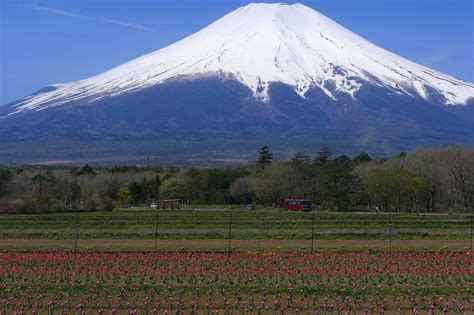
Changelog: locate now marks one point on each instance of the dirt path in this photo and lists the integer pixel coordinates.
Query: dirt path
(303, 245)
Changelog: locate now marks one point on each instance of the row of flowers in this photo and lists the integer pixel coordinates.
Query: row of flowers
(242, 282)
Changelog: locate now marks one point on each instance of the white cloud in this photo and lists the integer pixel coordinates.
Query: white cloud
(108, 21)
(131, 25)
(55, 11)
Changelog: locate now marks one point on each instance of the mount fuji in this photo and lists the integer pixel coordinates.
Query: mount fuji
(279, 74)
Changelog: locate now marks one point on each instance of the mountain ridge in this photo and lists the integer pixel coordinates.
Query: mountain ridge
(263, 71)
(260, 44)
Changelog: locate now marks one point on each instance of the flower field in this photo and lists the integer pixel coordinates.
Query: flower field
(212, 283)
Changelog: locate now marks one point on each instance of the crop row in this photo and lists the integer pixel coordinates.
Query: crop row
(239, 283)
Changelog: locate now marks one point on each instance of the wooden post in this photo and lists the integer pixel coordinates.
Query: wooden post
(156, 227)
(471, 214)
(312, 234)
(77, 231)
(74, 192)
(230, 234)
(391, 231)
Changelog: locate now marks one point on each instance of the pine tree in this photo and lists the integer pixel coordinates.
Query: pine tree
(341, 160)
(300, 159)
(136, 193)
(323, 156)
(362, 158)
(265, 157)
(84, 170)
(155, 187)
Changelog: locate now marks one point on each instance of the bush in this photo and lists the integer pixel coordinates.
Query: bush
(88, 205)
(97, 204)
(59, 206)
(105, 204)
(42, 204)
(19, 205)
(46, 204)
(25, 204)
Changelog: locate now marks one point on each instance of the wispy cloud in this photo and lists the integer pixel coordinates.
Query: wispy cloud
(130, 25)
(55, 11)
(108, 21)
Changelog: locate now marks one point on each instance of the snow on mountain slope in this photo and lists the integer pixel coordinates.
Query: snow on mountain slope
(263, 43)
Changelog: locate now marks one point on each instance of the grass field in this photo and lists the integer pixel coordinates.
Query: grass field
(135, 229)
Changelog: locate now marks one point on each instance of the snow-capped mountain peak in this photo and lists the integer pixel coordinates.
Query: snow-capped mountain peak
(260, 44)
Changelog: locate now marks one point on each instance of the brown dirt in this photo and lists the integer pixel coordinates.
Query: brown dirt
(270, 245)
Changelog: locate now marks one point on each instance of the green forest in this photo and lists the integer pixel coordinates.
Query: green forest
(426, 180)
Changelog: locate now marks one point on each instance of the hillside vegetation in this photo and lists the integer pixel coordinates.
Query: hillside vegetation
(427, 180)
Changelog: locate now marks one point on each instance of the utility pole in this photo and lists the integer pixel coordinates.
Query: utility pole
(312, 234)
(230, 234)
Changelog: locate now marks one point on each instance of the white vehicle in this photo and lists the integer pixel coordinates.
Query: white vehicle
(154, 205)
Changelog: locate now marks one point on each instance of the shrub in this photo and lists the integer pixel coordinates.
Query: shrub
(19, 205)
(105, 204)
(59, 206)
(88, 205)
(97, 204)
(25, 204)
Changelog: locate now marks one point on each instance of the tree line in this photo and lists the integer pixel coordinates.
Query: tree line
(427, 180)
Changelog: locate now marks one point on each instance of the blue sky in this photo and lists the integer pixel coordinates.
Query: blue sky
(52, 41)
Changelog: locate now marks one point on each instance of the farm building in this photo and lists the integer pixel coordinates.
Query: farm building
(173, 204)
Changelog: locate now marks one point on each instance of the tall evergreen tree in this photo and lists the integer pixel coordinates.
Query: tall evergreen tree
(265, 157)
(136, 193)
(362, 158)
(300, 159)
(84, 170)
(155, 187)
(342, 159)
(323, 156)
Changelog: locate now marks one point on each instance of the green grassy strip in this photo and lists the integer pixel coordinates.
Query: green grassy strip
(177, 289)
(235, 235)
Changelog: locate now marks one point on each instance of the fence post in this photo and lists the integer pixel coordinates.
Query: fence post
(471, 214)
(77, 231)
(230, 234)
(390, 231)
(312, 234)
(156, 227)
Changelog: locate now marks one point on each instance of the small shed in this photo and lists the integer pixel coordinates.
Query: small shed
(172, 204)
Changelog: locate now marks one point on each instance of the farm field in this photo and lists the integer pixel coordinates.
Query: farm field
(123, 266)
(136, 229)
(256, 283)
